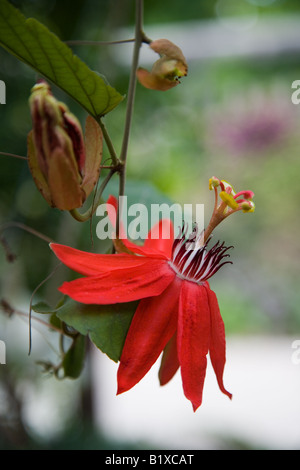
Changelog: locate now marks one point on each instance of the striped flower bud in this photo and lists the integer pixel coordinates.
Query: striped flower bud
(65, 166)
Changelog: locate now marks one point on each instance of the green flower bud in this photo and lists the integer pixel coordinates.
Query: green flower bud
(167, 70)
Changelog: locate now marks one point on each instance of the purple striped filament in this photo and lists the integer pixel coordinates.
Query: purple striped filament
(193, 261)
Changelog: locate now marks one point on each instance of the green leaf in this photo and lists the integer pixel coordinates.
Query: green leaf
(42, 307)
(106, 325)
(34, 44)
(74, 358)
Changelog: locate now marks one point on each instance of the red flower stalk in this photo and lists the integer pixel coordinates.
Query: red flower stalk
(178, 313)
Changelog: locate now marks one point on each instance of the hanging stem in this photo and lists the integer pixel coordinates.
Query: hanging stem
(139, 38)
(88, 214)
(14, 155)
(79, 42)
(31, 301)
(7, 308)
(119, 164)
(108, 141)
(139, 35)
(113, 169)
(34, 232)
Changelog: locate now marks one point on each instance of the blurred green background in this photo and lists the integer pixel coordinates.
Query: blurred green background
(232, 117)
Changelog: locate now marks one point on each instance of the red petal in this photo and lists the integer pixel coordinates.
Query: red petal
(91, 264)
(153, 324)
(217, 349)
(147, 280)
(112, 210)
(160, 238)
(140, 250)
(193, 339)
(112, 214)
(169, 362)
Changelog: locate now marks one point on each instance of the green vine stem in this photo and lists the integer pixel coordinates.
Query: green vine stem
(119, 164)
(79, 42)
(14, 155)
(9, 310)
(139, 39)
(83, 217)
(108, 141)
(31, 302)
(34, 232)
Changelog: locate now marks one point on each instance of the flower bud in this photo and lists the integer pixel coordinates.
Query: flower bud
(64, 165)
(167, 70)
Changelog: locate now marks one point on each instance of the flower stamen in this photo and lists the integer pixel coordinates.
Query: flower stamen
(230, 203)
(193, 261)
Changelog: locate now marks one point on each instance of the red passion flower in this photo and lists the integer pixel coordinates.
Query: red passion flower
(178, 313)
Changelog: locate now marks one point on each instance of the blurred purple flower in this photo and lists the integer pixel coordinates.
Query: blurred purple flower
(251, 124)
